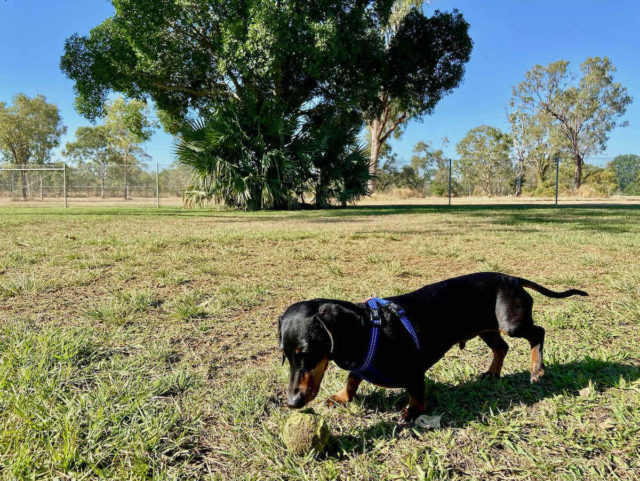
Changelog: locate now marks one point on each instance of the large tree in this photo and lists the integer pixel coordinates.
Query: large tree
(585, 111)
(29, 131)
(294, 64)
(191, 56)
(424, 59)
(95, 149)
(308, 66)
(536, 143)
(485, 160)
(128, 126)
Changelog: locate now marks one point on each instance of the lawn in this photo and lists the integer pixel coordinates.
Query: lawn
(141, 344)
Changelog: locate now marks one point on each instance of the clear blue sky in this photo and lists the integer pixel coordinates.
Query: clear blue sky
(510, 36)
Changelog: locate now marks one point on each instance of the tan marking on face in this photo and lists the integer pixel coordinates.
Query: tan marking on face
(309, 384)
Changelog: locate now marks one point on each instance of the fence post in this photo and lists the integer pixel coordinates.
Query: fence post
(64, 183)
(557, 171)
(449, 181)
(157, 189)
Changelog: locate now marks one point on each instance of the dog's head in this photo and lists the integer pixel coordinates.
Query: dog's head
(307, 334)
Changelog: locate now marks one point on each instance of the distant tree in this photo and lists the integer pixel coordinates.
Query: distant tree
(127, 127)
(175, 179)
(94, 148)
(536, 145)
(423, 160)
(627, 172)
(484, 160)
(601, 179)
(29, 131)
(585, 112)
(424, 59)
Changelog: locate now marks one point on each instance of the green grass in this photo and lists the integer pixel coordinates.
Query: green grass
(141, 343)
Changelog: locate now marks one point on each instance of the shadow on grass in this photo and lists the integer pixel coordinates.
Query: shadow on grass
(595, 218)
(474, 401)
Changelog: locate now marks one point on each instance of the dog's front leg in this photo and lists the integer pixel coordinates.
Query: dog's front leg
(417, 403)
(347, 393)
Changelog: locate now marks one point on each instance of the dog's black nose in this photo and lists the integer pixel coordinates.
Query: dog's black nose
(296, 401)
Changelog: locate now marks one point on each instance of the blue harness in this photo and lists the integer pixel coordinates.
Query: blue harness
(367, 371)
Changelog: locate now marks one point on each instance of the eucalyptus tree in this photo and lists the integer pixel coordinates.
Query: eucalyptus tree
(127, 126)
(536, 144)
(29, 131)
(94, 148)
(484, 160)
(584, 110)
(424, 59)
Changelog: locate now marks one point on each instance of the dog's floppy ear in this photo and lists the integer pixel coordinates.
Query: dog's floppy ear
(337, 320)
(332, 312)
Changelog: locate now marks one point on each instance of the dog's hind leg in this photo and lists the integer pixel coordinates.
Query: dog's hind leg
(535, 336)
(494, 340)
(513, 311)
(347, 393)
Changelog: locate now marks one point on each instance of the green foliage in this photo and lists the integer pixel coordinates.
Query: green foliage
(627, 172)
(29, 130)
(426, 174)
(424, 60)
(315, 68)
(250, 170)
(485, 164)
(274, 163)
(190, 56)
(583, 113)
(128, 125)
(602, 180)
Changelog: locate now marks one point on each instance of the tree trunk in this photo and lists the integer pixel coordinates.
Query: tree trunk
(375, 128)
(577, 177)
(519, 178)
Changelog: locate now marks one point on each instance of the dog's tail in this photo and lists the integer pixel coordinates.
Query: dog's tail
(549, 293)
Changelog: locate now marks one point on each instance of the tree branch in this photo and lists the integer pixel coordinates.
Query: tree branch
(393, 127)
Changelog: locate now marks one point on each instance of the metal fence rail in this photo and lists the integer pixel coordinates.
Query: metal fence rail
(61, 184)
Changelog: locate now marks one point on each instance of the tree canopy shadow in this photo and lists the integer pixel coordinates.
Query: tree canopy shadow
(473, 401)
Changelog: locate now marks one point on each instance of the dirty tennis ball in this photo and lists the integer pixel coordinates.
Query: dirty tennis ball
(305, 431)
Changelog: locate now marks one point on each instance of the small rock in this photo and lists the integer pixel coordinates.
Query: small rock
(428, 422)
(607, 424)
(587, 391)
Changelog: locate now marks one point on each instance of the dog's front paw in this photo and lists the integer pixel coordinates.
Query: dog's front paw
(409, 414)
(337, 400)
(489, 375)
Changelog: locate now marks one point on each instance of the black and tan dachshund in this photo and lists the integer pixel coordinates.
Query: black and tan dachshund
(312, 333)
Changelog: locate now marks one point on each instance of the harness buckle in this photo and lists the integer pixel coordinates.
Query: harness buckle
(396, 309)
(374, 316)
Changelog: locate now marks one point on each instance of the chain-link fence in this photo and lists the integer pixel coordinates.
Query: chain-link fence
(92, 183)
